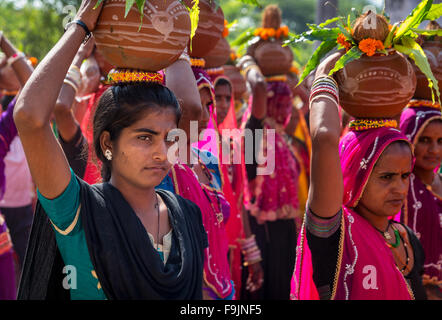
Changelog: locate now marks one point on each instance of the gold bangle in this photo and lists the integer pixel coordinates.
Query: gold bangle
(248, 68)
(69, 82)
(248, 263)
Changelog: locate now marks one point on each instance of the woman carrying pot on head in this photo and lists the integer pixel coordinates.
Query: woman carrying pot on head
(422, 125)
(349, 247)
(272, 193)
(238, 227)
(111, 235)
(18, 221)
(200, 181)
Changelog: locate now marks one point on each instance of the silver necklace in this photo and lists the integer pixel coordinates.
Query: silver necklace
(158, 214)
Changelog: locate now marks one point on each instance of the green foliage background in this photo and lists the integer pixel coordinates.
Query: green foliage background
(34, 26)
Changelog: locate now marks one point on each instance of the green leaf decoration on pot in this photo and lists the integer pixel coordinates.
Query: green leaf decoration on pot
(352, 54)
(194, 13)
(324, 48)
(435, 12)
(400, 37)
(412, 49)
(414, 19)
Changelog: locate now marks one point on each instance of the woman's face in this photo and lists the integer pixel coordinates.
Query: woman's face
(206, 102)
(140, 154)
(428, 148)
(387, 187)
(223, 96)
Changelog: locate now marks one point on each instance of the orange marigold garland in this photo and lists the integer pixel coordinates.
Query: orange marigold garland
(415, 103)
(266, 33)
(197, 62)
(365, 124)
(119, 76)
(370, 46)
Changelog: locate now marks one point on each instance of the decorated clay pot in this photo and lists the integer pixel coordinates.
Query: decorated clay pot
(238, 81)
(272, 57)
(210, 28)
(376, 87)
(219, 55)
(162, 37)
(433, 51)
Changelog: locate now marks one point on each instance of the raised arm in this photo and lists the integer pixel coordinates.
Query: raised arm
(48, 165)
(326, 185)
(181, 80)
(258, 86)
(18, 62)
(67, 125)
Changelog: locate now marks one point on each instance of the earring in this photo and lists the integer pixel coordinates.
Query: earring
(108, 154)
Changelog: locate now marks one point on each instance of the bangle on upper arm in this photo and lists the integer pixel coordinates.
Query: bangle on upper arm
(72, 84)
(326, 96)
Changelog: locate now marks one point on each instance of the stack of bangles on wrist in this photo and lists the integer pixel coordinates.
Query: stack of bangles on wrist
(245, 64)
(250, 250)
(325, 87)
(73, 78)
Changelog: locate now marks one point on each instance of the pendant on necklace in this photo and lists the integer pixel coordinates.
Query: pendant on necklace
(219, 217)
(387, 235)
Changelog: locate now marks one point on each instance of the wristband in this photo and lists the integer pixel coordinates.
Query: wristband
(83, 25)
(14, 58)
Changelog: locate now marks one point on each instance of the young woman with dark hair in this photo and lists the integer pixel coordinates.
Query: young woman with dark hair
(123, 239)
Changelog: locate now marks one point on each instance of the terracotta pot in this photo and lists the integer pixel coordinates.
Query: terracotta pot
(210, 28)
(272, 57)
(433, 51)
(219, 55)
(164, 34)
(238, 81)
(377, 86)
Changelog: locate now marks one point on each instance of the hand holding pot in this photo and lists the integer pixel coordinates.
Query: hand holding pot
(88, 14)
(327, 64)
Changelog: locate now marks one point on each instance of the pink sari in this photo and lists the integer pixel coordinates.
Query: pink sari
(423, 211)
(276, 194)
(233, 186)
(216, 267)
(92, 173)
(366, 269)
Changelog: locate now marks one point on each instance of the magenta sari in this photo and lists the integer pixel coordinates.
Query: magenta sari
(7, 268)
(276, 194)
(423, 212)
(216, 267)
(366, 269)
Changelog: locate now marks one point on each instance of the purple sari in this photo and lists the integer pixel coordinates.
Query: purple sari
(276, 193)
(365, 269)
(7, 271)
(423, 212)
(8, 131)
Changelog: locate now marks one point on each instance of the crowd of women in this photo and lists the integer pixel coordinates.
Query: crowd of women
(87, 185)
